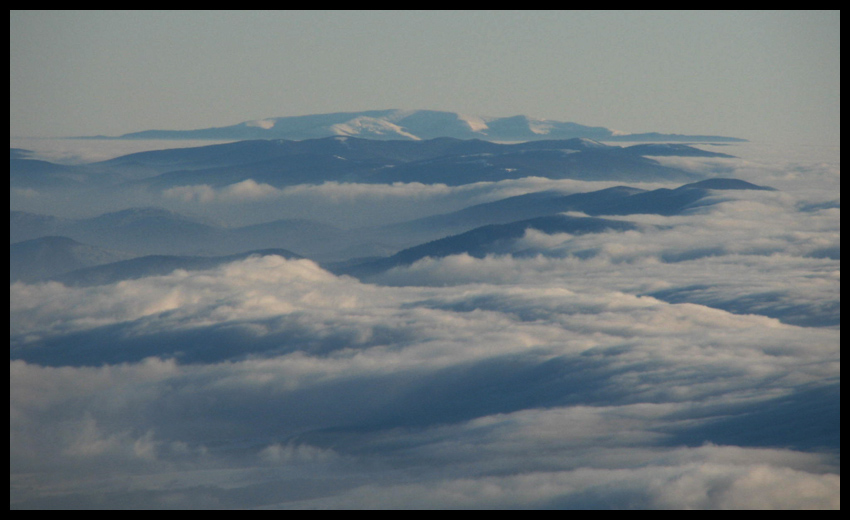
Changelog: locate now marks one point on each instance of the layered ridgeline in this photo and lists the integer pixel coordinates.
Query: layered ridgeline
(43, 246)
(281, 162)
(413, 125)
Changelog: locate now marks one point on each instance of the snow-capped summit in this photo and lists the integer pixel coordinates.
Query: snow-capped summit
(371, 127)
(409, 125)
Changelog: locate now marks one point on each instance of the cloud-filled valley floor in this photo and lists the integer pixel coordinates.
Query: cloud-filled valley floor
(605, 356)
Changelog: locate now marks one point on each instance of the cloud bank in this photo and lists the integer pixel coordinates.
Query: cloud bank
(690, 363)
(238, 387)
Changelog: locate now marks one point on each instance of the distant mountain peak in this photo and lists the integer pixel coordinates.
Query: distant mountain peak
(412, 125)
(371, 126)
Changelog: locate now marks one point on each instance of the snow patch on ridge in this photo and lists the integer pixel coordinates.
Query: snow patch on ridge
(361, 126)
(475, 123)
(265, 124)
(540, 126)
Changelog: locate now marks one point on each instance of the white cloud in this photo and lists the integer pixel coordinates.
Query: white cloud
(677, 487)
(244, 191)
(196, 193)
(249, 190)
(351, 205)
(389, 359)
(748, 252)
(547, 379)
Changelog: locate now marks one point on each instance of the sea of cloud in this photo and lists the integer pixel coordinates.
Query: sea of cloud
(691, 364)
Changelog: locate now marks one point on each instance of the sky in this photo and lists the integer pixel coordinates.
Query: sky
(768, 76)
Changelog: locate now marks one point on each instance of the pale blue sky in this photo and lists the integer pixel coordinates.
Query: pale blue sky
(764, 75)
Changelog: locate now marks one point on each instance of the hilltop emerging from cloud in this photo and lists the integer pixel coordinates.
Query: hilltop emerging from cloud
(413, 125)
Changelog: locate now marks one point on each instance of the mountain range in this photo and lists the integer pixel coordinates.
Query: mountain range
(493, 227)
(617, 200)
(155, 231)
(154, 265)
(281, 163)
(43, 246)
(48, 256)
(444, 160)
(412, 125)
(485, 240)
(143, 241)
(146, 230)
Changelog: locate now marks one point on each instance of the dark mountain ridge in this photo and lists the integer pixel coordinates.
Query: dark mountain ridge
(618, 200)
(44, 257)
(485, 240)
(155, 265)
(349, 159)
(147, 231)
(444, 160)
